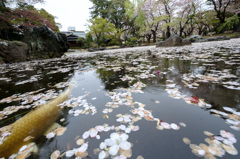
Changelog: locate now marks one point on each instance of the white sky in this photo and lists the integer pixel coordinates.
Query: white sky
(68, 12)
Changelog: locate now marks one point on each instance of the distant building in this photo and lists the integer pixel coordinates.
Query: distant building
(79, 33)
(73, 35)
(71, 28)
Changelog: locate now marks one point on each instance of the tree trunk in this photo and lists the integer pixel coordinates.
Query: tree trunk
(149, 37)
(168, 33)
(181, 32)
(154, 36)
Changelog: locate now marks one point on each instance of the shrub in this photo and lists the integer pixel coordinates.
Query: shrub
(114, 42)
(102, 45)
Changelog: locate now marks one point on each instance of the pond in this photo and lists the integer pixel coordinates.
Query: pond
(179, 102)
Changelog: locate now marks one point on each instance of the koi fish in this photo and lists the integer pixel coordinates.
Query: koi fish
(32, 125)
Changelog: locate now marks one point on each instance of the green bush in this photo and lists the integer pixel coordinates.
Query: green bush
(129, 43)
(103, 45)
(133, 39)
(114, 42)
(81, 40)
(229, 24)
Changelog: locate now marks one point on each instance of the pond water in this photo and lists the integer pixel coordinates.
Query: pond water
(179, 102)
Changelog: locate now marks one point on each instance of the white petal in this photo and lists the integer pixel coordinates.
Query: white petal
(98, 137)
(100, 128)
(50, 135)
(201, 152)
(102, 155)
(128, 130)
(120, 157)
(69, 153)
(125, 145)
(232, 139)
(93, 133)
(174, 126)
(124, 137)
(165, 125)
(84, 147)
(113, 150)
(141, 113)
(103, 145)
(106, 129)
(119, 119)
(86, 135)
(109, 142)
(122, 127)
(114, 136)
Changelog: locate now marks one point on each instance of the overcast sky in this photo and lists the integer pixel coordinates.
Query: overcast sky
(68, 12)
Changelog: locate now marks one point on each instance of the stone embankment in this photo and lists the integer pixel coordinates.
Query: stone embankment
(37, 43)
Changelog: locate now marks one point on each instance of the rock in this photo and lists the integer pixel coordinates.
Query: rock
(44, 43)
(196, 38)
(173, 40)
(13, 51)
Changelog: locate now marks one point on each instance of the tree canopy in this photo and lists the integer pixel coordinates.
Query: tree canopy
(99, 27)
(26, 15)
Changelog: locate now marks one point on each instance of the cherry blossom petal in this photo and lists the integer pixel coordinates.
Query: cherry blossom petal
(125, 145)
(114, 136)
(86, 135)
(50, 135)
(113, 150)
(93, 133)
(70, 153)
(124, 137)
(84, 147)
(109, 142)
(100, 128)
(102, 155)
(103, 145)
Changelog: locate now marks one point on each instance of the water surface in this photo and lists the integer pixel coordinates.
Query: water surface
(147, 89)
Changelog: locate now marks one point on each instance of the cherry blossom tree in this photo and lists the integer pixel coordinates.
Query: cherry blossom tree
(185, 14)
(220, 7)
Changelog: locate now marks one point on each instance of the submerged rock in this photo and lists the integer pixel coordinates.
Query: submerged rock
(196, 38)
(44, 43)
(13, 51)
(173, 40)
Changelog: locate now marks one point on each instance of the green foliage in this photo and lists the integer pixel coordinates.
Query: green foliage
(81, 40)
(43, 13)
(133, 39)
(114, 42)
(229, 24)
(103, 45)
(100, 27)
(25, 6)
(130, 9)
(86, 42)
(27, 16)
(129, 43)
(113, 10)
(100, 8)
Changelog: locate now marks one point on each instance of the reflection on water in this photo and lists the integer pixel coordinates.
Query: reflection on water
(132, 104)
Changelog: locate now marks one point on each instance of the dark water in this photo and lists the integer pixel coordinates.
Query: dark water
(99, 75)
